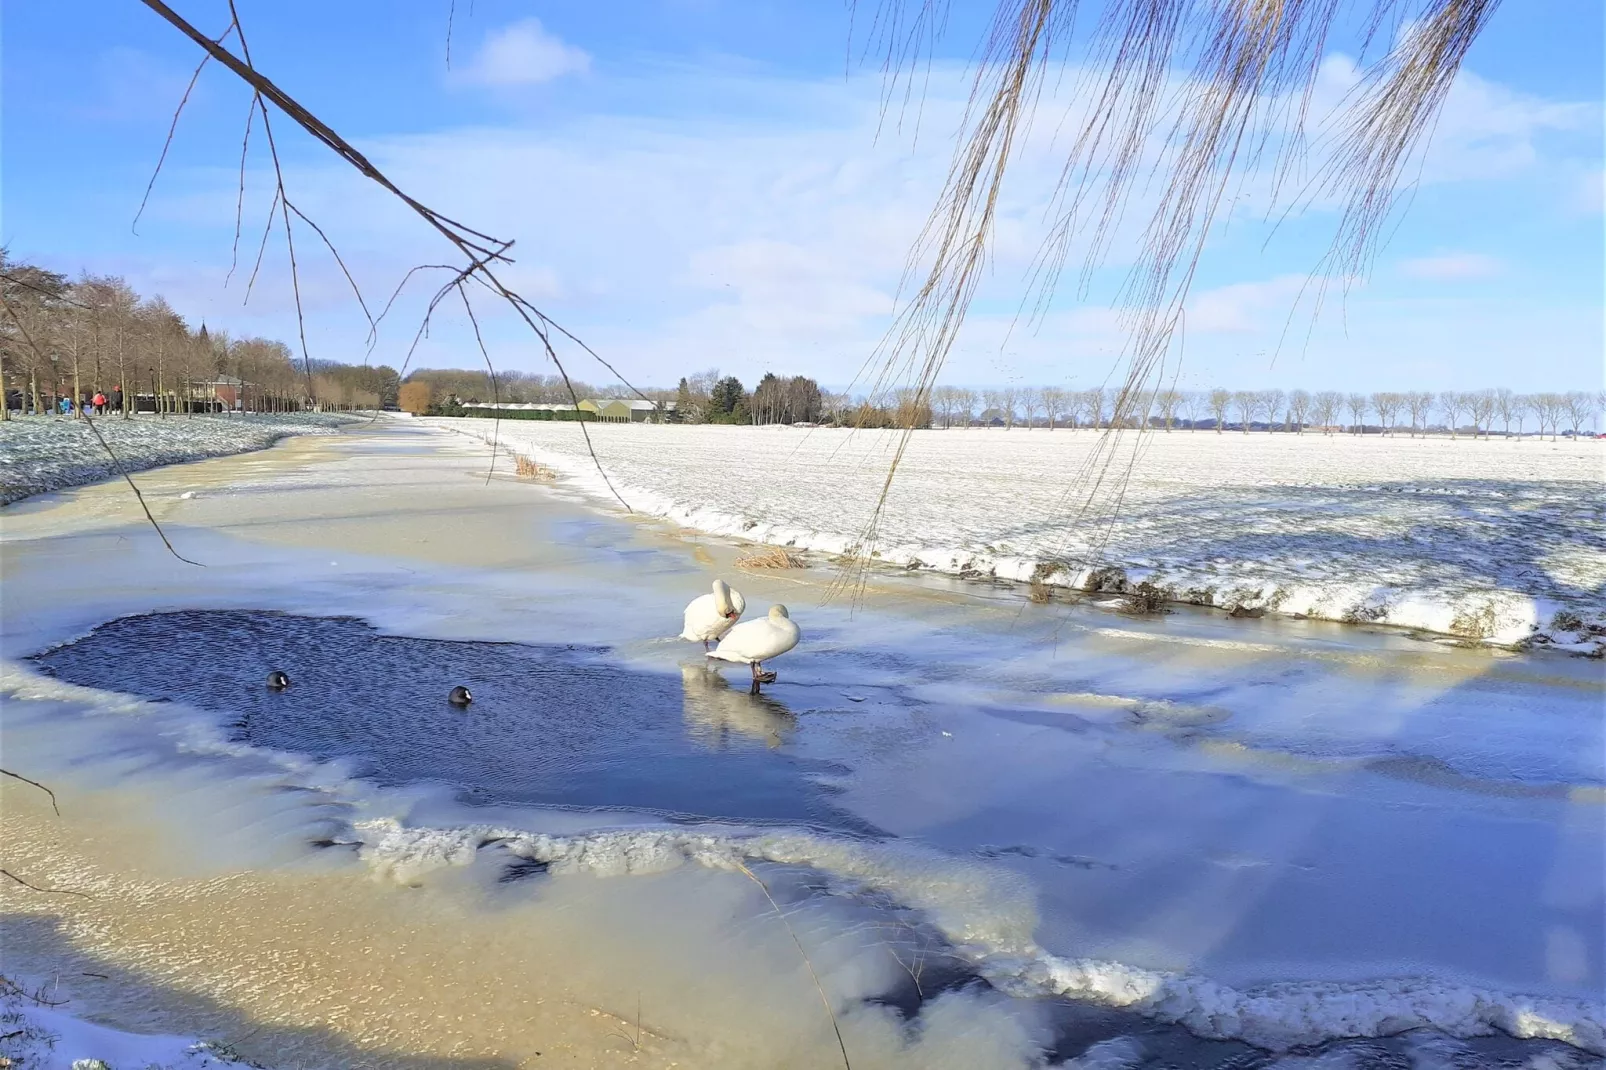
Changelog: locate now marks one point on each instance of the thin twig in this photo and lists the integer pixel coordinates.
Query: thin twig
(285, 208)
(451, 13)
(239, 200)
(835, 1028)
(171, 129)
(53, 891)
(11, 988)
(35, 783)
(496, 396)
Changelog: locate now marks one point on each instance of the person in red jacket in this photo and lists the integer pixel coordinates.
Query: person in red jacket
(99, 401)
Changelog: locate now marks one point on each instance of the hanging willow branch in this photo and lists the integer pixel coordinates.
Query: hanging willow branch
(1247, 67)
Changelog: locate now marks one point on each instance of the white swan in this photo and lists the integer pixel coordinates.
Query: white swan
(759, 640)
(712, 615)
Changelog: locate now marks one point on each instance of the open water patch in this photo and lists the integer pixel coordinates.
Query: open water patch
(549, 725)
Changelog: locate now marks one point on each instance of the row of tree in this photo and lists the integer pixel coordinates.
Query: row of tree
(71, 339)
(712, 397)
(1418, 412)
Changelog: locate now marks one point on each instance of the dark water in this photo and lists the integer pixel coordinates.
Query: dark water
(549, 725)
(559, 725)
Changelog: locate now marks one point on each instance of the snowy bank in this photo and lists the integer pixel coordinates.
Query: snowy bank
(45, 453)
(38, 1034)
(1502, 542)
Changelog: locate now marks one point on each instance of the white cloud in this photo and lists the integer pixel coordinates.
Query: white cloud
(524, 53)
(771, 233)
(1448, 267)
(1250, 307)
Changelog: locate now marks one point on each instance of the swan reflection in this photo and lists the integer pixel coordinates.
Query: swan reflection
(715, 710)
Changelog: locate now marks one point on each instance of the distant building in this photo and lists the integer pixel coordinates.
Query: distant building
(225, 391)
(619, 410)
(612, 410)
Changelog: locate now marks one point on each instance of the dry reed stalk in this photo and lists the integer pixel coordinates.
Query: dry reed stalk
(531, 469)
(818, 987)
(770, 557)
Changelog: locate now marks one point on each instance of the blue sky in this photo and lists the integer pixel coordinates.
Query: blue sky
(697, 183)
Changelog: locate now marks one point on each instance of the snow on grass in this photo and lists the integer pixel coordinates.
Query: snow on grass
(1498, 541)
(35, 1034)
(44, 453)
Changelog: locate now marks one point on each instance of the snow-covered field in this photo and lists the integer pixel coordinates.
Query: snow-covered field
(1502, 541)
(44, 453)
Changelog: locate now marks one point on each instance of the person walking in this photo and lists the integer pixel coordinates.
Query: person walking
(99, 403)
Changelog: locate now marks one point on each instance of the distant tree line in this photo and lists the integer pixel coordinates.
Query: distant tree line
(64, 341)
(1471, 412)
(72, 339)
(712, 397)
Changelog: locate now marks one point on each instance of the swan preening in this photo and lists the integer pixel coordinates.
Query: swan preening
(712, 615)
(756, 641)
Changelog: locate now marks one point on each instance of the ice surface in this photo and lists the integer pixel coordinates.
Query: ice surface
(1484, 540)
(43, 453)
(972, 907)
(1283, 832)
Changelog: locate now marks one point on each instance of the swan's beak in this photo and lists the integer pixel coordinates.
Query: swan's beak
(732, 615)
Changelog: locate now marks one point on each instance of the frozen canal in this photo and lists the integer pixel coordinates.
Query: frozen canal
(1052, 831)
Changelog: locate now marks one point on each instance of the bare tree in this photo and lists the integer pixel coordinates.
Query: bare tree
(1271, 403)
(1505, 407)
(1387, 405)
(1580, 407)
(1521, 408)
(1453, 403)
(1031, 403)
(1168, 400)
(1220, 401)
(1075, 405)
(1481, 404)
(1093, 404)
(1549, 408)
(1326, 407)
(1245, 402)
(1193, 406)
(1298, 409)
(1053, 405)
(1358, 404)
(969, 400)
(1419, 403)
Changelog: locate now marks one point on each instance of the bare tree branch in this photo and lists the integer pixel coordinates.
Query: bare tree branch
(480, 250)
(53, 891)
(35, 783)
(172, 128)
